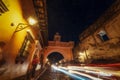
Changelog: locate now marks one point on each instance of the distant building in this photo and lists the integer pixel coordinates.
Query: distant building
(59, 47)
(101, 41)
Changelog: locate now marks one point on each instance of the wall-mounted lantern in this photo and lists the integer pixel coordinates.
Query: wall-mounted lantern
(22, 26)
(24, 51)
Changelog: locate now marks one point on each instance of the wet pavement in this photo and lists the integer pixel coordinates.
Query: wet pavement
(91, 72)
(16, 72)
(51, 74)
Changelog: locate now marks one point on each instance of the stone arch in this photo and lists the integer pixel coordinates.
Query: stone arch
(55, 57)
(65, 48)
(67, 56)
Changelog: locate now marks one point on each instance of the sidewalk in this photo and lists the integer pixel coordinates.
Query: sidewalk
(27, 76)
(2, 70)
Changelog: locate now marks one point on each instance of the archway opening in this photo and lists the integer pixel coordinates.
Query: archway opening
(54, 57)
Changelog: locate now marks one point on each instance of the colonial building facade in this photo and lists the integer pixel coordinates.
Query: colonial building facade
(101, 40)
(20, 40)
(65, 49)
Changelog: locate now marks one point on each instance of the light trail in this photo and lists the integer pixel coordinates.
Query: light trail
(91, 77)
(70, 74)
(78, 71)
(70, 69)
(89, 70)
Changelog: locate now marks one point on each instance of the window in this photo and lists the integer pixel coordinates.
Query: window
(25, 49)
(103, 36)
(3, 7)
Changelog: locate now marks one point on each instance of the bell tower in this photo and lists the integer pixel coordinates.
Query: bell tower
(57, 37)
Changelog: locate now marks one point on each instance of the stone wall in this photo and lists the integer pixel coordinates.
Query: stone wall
(102, 39)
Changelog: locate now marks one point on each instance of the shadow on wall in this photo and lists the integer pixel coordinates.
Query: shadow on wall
(2, 60)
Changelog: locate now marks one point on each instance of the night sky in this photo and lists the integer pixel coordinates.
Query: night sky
(72, 17)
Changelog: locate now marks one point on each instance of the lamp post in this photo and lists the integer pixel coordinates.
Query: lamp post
(22, 26)
(23, 53)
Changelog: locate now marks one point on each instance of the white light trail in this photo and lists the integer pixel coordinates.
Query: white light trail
(91, 77)
(68, 73)
(71, 70)
(89, 70)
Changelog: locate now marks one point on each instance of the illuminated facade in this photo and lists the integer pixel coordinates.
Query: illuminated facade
(64, 48)
(19, 39)
(101, 41)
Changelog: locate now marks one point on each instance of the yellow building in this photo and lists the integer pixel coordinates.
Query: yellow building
(23, 34)
(101, 41)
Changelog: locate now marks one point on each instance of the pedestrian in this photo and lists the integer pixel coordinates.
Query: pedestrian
(35, 62)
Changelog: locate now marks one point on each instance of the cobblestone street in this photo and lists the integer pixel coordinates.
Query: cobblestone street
(54, 75)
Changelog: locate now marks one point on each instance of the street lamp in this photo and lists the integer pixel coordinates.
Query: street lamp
(32, 21)
(80, 53)
(22, 26)
(81, 57)
(23, 52)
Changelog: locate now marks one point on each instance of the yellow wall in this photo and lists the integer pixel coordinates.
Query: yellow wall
(14, 41)
(14, 15)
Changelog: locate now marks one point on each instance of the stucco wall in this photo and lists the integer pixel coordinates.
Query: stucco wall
(95, 47)
(64, 48)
